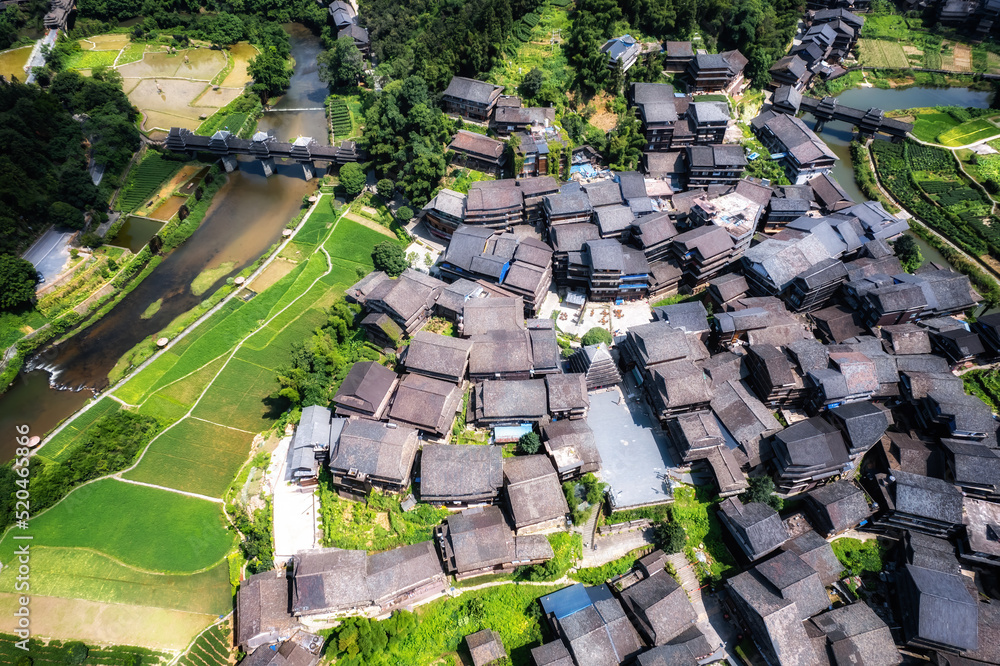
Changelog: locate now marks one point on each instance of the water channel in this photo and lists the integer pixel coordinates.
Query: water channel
(246, 217)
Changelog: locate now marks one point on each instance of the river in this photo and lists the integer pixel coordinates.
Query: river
(245, 218)
(837, 135)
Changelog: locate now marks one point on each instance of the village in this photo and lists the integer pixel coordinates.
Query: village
(517, 333)
(753, 336)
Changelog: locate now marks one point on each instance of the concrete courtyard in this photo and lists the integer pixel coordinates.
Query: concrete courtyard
(634, 451)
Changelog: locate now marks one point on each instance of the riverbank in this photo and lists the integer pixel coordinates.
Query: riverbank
(210, 385)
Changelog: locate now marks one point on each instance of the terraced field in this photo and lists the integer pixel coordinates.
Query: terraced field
(157, 572)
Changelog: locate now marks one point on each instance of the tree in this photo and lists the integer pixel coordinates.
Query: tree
(226, 29)
(669, 537)
(342, 65)
(595, 336)
(532, 84)
(405, 214)
(389, 257)
(385, 188)
(908, 252)
(75, 653)
(761, 490)
(270, 73)
(529, 443)
(18, 278)
(63, 215)
(352, 178)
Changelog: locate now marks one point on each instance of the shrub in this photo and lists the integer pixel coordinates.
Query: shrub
(405, 214)
(597, 335)
(385, 188)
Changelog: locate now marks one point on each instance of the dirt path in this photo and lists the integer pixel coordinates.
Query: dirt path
(118, 477)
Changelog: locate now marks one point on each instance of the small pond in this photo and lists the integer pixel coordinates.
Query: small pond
(136, 232)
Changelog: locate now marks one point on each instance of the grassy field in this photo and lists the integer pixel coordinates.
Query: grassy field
(147, 528)
(968, 132)
(54, 652)
(929, 124)
(693, 509)
(194, 456)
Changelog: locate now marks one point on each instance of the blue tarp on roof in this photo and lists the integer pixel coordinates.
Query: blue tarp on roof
(566, 601)
(503, 434)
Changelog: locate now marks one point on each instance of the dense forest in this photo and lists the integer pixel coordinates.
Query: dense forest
(438, 39)
(46, 141)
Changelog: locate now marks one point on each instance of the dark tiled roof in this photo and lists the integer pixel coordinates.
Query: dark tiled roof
(815, 551)
(426, 403)
(477, 144)
(437, 354)
(663, 603)
(863, 423)
(760, 523)
(944, 611)
(533, 490)
(366, 386)
(842, 504)
(471, 89)
(460, 471)
(928, 497)
(485, 647)
(857, 631)
(376, 450)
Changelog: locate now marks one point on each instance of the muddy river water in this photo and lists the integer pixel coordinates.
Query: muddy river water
(246, 217)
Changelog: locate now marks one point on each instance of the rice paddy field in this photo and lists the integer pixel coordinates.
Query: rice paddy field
(156, 574)
(144, 528)
(144, 181)
(212, 648)
(194, 456)
(969, 132)
(883, 53)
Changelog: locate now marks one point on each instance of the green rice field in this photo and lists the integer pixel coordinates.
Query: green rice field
(76, 574)
(212, 648)
(147, 528)
(340, 118)
(144, 180)
(194, 456)
(969, 132)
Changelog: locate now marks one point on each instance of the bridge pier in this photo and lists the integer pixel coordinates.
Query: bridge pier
(819, 125)
(268, 166)
(230, 163)
(308, 169)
